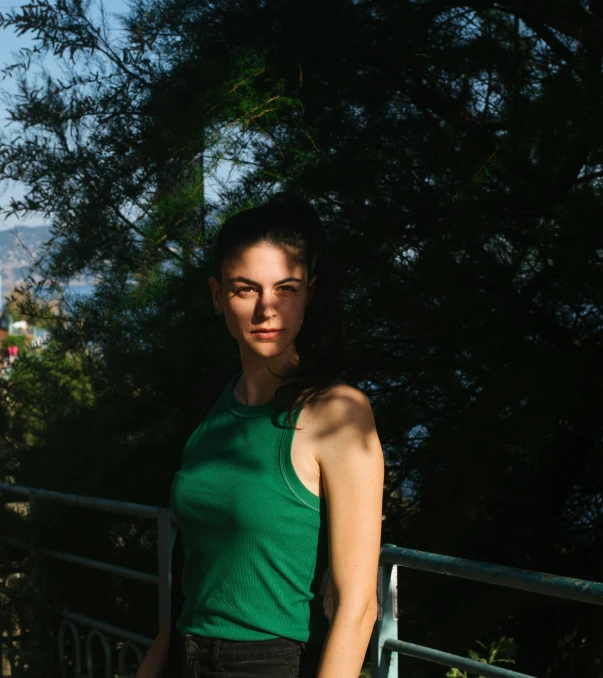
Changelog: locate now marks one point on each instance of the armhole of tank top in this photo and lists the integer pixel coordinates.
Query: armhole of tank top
(290, 477)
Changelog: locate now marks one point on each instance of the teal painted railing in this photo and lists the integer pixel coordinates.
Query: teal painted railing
(110, 637)
(385, 645)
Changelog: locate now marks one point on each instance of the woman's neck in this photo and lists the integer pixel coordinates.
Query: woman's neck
(259, 381)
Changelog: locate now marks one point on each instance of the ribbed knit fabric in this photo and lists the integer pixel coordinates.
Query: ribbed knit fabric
(255, 538)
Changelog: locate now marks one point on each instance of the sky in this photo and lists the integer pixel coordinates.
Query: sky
(10, 43)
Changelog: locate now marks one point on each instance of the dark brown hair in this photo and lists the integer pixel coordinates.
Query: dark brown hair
(288, 220)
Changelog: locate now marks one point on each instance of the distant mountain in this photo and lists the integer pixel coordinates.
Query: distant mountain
(19, 247)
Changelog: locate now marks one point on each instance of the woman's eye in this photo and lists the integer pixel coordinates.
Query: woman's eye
(286, 288)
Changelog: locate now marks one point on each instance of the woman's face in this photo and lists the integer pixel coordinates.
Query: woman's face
(264, 287)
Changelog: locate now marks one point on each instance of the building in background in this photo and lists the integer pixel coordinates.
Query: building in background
(32, 335)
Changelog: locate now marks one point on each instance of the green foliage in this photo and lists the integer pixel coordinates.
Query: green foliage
(40, 380)
(14, 340)
(499, 651)
(455, 154)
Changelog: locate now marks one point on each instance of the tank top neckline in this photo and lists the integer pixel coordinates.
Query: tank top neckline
(241, 409)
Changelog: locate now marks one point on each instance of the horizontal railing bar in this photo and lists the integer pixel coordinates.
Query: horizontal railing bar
(14, 542)
(580, 590)
(451, 660)
(99, 565)
(86, 562)
(108, 628)
(105, 505)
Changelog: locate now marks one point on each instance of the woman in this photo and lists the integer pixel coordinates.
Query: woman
(281, 484)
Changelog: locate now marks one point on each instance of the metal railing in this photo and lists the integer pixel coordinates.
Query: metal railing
(385, 645)
(99, 630)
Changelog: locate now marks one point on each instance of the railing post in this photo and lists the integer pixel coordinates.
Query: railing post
(166, 537)
(384, 663)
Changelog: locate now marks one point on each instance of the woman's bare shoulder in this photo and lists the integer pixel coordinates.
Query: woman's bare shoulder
(342, 426)
(341, 405)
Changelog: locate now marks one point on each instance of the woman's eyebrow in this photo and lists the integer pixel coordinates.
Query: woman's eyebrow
(240, 278)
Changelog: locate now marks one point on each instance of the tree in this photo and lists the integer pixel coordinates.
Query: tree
(455, 152)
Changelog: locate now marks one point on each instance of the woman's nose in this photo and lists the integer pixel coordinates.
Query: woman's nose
(266, 304)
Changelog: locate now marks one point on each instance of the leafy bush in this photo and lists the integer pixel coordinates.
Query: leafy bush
(500, 651)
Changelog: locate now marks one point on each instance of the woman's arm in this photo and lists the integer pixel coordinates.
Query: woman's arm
(352, 472)
(154, 665)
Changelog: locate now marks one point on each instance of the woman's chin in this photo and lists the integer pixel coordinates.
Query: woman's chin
(266, 349)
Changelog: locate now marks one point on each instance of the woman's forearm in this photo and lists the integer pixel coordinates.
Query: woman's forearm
(346, 643)
(154, 665)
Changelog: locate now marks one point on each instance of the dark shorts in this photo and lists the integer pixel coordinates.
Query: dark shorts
(275, 658)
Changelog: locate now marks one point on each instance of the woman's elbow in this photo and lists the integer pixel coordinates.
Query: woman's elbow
(357, 608)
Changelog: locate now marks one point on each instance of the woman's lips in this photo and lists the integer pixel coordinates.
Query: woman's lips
(262, 334)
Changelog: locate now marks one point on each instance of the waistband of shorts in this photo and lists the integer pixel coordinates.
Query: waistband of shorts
(233, 650)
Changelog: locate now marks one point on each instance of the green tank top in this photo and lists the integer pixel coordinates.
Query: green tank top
(255, 538)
